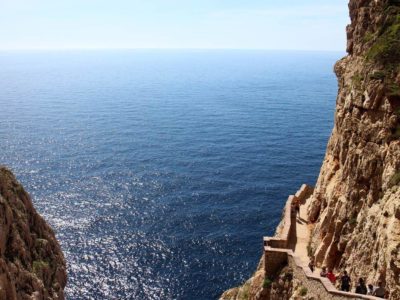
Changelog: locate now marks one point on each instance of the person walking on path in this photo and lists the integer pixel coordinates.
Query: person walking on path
(331, 276)
(311, 264)
(345, 282)
(370, 290)
(361, 287)
(380, 290)
(323, 272)
(296, 206)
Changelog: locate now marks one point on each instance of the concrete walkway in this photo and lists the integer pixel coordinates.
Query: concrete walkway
(303, 235)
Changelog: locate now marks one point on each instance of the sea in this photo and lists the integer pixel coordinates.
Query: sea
(161, 170)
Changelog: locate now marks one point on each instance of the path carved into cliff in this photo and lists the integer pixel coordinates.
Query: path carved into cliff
(290, 248)
(303, 234)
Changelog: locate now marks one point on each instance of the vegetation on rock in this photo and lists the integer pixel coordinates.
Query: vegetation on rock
(386, 47)
(32, 265)
(267, 283)
(395, 180)
(303, 291)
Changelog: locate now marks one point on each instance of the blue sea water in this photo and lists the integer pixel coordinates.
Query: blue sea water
(160, 171)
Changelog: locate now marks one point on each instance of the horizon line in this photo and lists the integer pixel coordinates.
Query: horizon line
(163, 48)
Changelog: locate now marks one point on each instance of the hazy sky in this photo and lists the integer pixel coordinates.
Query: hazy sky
(250, 24)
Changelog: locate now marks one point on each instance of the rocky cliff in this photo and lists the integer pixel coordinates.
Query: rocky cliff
(355, 208)
(32, 265)
(356, 203)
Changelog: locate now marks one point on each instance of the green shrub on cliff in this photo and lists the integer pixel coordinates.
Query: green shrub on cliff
(267, 283)
(245, 293)
(395, 180)
(303, 291)
(353, 221)
(41, 242)
(378, 75)
(369, 36)
(356, 80)
(387, 46)
(38, 266)
(393, 90)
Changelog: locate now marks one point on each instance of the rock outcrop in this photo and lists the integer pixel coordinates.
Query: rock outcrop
(258, 287)
(355, 207)
(356, 203)
(32, 265)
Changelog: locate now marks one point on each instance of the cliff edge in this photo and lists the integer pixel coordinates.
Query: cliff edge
(32, 265)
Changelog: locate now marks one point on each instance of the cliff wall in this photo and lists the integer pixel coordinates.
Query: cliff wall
(32, 265)
(356, 203)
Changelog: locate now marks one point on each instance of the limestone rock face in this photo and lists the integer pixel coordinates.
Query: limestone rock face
(32, 265)
(356, 202)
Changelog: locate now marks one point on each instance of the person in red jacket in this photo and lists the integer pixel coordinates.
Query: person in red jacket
(331, 276)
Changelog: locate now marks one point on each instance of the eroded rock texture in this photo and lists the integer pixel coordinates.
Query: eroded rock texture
(356, 203)
(32, 265)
